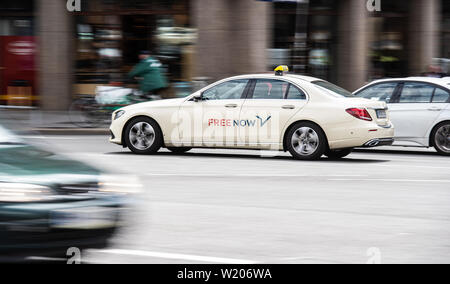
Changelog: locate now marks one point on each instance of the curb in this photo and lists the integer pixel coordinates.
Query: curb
(68, 131)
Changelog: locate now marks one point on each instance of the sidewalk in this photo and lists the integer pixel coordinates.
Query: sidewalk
(47, 123)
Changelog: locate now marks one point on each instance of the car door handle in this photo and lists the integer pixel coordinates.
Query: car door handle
(434, 109)
(231, 106)
(288, 107)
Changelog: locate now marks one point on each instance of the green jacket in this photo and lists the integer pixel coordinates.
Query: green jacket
(150, 70)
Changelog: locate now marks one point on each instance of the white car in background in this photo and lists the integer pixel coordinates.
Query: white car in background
(419, 108)
(306, 116)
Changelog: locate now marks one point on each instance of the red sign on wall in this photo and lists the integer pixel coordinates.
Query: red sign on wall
(17, 61)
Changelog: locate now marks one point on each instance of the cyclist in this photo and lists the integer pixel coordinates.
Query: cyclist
(149, 70)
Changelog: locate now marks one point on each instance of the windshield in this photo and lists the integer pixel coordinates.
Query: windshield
(7, 137)
(333, 89)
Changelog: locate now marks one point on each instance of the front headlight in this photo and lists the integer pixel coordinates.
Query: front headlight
(119, 114)
(119, 184)
(22, 192)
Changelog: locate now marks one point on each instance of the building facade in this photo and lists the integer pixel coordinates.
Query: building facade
(51, 54)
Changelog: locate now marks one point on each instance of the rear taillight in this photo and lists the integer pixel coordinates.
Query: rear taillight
(360, 113)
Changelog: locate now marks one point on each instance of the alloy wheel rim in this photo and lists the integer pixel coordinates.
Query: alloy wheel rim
(442, 139)
(142, 136)
(305, 141)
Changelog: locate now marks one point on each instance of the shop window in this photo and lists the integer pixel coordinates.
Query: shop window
(112, 33)
(388, 54)
(446, 30)
(17, 6)
(321, 37)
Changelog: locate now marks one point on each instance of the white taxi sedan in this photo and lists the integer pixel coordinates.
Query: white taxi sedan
(306, 116)
(419, 108)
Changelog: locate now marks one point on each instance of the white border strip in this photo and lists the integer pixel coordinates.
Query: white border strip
(176, 256)
(396, 180)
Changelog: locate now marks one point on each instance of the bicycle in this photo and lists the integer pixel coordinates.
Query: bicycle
(95, 111)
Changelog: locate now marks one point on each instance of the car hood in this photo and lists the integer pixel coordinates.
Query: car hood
(153, 104)
(27, 164)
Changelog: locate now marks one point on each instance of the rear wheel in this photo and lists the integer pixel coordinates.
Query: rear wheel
(441, 138)
(179, 150)
(143, 136)
(338, 154)
(306, 141)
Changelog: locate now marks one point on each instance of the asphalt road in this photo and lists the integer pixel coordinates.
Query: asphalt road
(221, 206)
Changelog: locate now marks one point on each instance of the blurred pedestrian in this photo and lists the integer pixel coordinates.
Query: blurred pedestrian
(434, 71)
(149, 72)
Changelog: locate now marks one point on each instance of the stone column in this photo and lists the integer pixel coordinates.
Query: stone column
(213, 49)
(250, 34)
(424, 34)
(55, 59)
(233, 37)
(353, 35)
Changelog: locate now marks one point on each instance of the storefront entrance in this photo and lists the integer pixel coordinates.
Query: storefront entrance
(18, 85)
(446, 30)
(321, 37)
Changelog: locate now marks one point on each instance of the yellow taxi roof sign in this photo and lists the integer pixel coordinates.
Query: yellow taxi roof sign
(281, 69)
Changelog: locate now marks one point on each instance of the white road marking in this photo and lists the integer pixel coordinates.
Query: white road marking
(396, 180)
(436, 160)
(387, 165)
(42, 258)
(176, 256)
(245, 175)
(308, 259)
(422, 167)
(56, 137)
(399, 156)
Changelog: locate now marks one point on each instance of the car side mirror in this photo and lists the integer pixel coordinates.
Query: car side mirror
(198, 97)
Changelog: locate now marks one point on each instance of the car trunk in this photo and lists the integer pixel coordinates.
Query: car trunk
(378, 110)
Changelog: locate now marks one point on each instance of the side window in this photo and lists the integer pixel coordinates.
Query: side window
(379, 92)
(270, 89)
(441, 96)
(295, 93)
(416, 93)
(231, 90)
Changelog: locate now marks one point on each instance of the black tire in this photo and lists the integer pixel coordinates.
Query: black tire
(338, 154)
(321, 143)
(151, 148)
(434, 139)
(179, 150)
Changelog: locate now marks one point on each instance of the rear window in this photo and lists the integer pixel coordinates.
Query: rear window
(333, 89)
(295, 94)
(441, 96)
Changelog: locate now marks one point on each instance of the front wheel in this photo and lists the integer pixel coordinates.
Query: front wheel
(338, 154)
(84, 112)
(306, 141)
(441, 138)
(143, 136)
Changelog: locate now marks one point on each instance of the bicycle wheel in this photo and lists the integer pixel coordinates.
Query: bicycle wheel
(82, 113)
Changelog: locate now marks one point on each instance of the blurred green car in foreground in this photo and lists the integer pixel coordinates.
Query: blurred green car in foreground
(49, 203)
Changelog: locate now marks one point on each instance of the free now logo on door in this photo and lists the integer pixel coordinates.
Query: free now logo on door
(239, 123)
